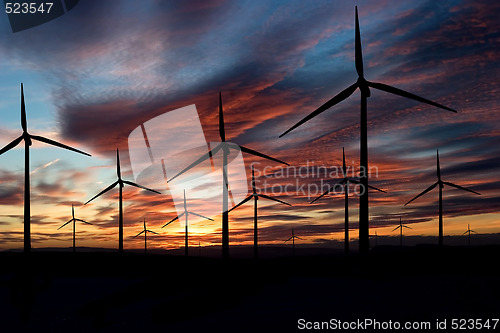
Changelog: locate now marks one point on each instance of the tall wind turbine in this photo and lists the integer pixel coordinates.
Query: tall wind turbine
(293, 242)
(469, 232)
(364, 87)
(256, 197)
(28, 141)
(345, 185)
(186, 213)
(225, 147)
(145, 231)
(441, 184)
(122, 183)
(400, 227)
(73, 219)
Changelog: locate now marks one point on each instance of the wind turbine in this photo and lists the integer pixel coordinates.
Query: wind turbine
(225, 147)
(364, 87)
(186, 213)
(256, 197)
(345, 185)
(121, 184)
(441, 184)
(400, 227)
(293, 242)
(469, 232)
(73, 219)
(145, 231)
(376, 238)
(28, 141)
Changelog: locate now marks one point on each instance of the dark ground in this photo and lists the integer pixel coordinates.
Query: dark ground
(107, 292)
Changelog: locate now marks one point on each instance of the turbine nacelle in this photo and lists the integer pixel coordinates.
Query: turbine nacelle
(363, 86)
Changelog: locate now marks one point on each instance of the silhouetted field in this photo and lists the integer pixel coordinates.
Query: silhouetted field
(108, 292)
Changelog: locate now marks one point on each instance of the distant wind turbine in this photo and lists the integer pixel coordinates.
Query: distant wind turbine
(256, 197)
(400, 227)
(364, 87)
(441, 184)
(345, 185)
(225, 147)
(28, 138)
(145, 231)
(469, 232)
(121, 184)
(293, 242)
(73, 219)
(376, 238)
(186, 213)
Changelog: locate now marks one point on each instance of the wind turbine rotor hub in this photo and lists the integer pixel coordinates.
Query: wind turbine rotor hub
(363, 86)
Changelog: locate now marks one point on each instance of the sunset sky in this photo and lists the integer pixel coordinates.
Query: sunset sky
(98, 72)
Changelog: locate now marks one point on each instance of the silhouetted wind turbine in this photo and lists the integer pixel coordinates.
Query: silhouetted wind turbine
(73, 219)
(400, 227)
(293, 242)
(225, 147)
(376, 238)
(186, 213)
(256, 196)
(121, 184)
(345, 185)
(441, 184)
(28, 138)
(364, 87)
(469, 232)
(145, 231)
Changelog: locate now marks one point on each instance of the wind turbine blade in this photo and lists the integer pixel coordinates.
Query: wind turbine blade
(256, 153)
(24, 122)
(288, 239)
(138, 234)
(396, 228)
(153, 232)
(103, 191)
(399, 92)
(118, 167)
(430, 188)
(335, 100)
(11, 145)
(344, 167)
(407, 227)
(175, 218)
(222, 131)
(298, 237)
(198, 161)
(207, 218)
(357, 47)
(374, 188)
(65, 224)
(140, 186)
(253, 181)
(369, 186)
(57, 144)
(242, 202)
(274, 199)
(460, 187)
(438, 167)
(83, 221)
(465, 232)
(326, 192)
